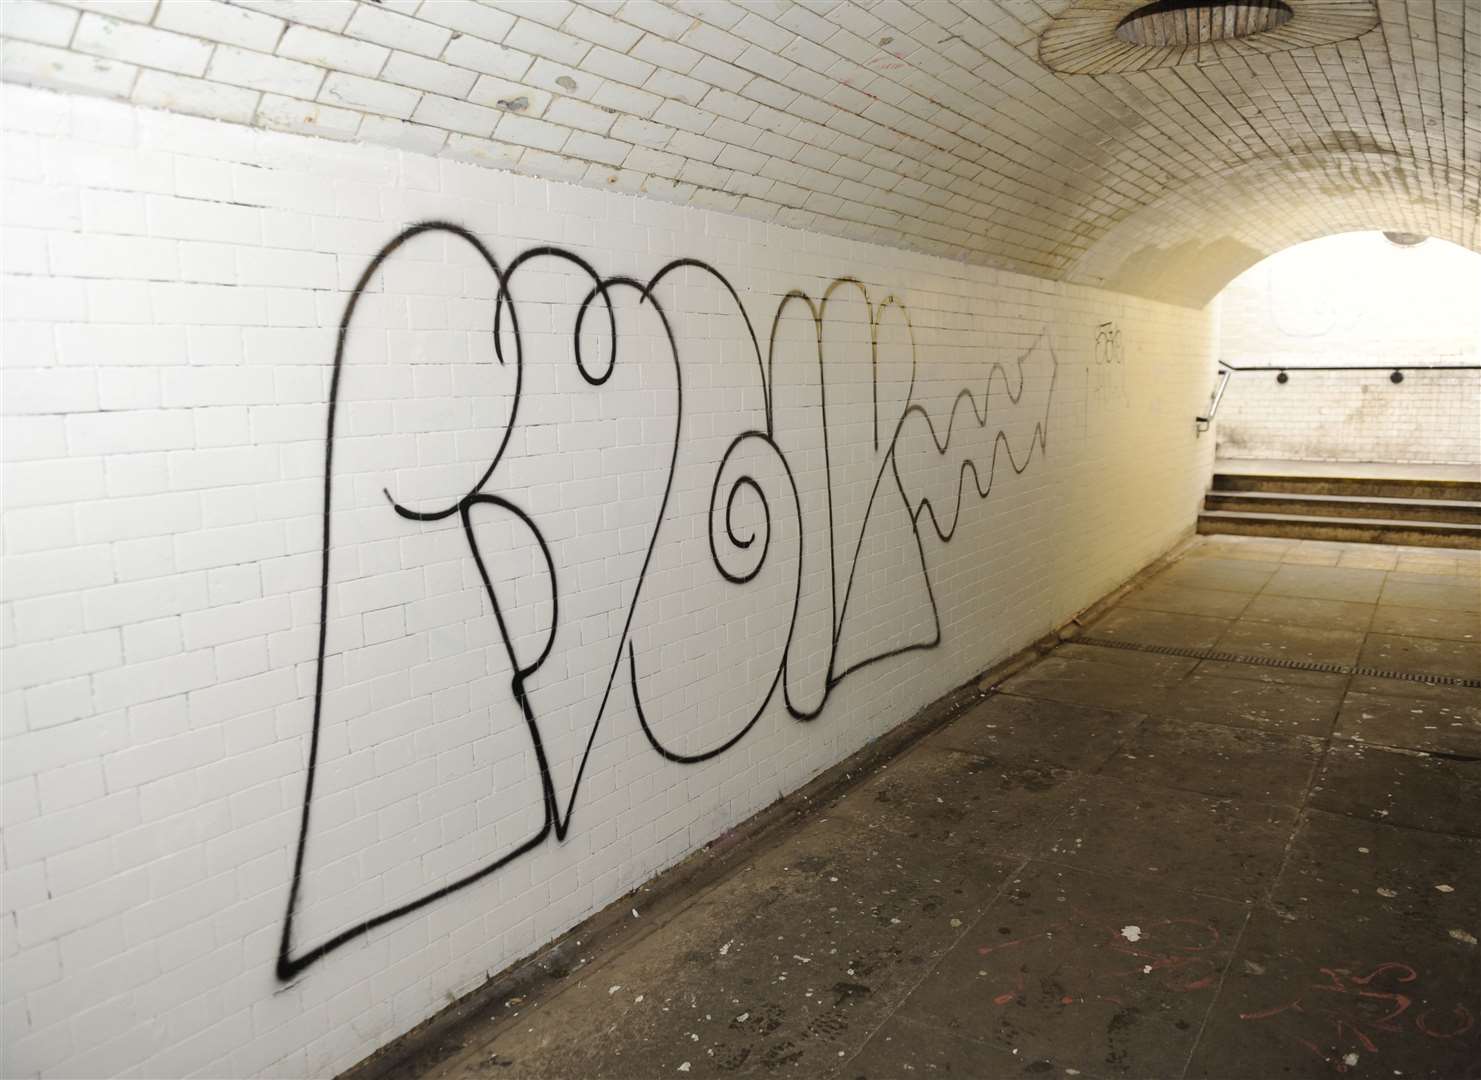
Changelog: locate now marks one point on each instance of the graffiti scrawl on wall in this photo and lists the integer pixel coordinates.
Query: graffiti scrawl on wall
(1108, 370)
(795, 498)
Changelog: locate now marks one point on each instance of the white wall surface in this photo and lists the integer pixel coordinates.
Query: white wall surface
(180, 642)
(935, 126)
(1354, 300)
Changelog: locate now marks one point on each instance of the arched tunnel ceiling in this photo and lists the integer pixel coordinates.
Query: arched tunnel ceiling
(933, 125)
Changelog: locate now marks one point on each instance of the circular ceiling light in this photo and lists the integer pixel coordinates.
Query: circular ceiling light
(1188, 22)
(1102, 37)
(1404, 239)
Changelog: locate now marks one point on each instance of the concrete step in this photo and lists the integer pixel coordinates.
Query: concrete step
(1347, 529)
(1379, 487)
(1271, 502)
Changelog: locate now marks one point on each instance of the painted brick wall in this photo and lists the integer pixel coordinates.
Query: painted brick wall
(1431, 417)
(178, 646)
(933, 126)
(1354, 299)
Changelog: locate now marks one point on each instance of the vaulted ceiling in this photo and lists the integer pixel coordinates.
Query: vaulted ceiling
(1022, 134)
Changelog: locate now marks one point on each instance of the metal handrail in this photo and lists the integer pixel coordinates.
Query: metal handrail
(1226, 370)
(1201, 423)
(1349, 367)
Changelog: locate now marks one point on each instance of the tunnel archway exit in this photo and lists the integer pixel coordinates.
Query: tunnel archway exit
(1354, 348)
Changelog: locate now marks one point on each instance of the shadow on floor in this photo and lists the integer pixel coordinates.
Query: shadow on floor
(1123, 864)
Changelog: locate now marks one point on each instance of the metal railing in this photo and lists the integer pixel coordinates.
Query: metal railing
(1283, 376)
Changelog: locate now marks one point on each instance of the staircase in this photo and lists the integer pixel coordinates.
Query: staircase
(1340, 503)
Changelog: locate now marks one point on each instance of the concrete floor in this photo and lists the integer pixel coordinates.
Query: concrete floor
(1124, 863)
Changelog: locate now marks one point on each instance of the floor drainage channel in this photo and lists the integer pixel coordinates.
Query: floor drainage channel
(1277, 662)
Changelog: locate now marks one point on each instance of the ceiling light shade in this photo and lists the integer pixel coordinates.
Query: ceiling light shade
(1104, 37)
(1189, 22)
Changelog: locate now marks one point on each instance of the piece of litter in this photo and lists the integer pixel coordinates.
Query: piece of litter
(635, 913)
(804, 959)
(956, 922)
(1146, 969)
(684, 1067)
(1349, 1060)
(725, 949)
(742, 1018)
(1387, 892)
(638, 1000)
(1131, 933)
(1445, 888)
(614, 989)
(1363, 850)
(1461, 935)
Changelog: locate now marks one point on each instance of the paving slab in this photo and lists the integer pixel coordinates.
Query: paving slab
(1217, 603)
(1443, 692)
(1089, 972)
(1112, 683)
(1268, 673)
(1347, 583)
(1452, 594)
(1303, 644)
(1422, 655)
(963, 800)
(1159, 628)
(1230, 575)
(1197, 843)
(1430, 561)
(1426, 622)
(1370, 557)
(1280, 708)
(908, 1048)
(1448, 727)
(1213, 759)
(1401, 787)
(1349, 872)
(1304, 998)
(1316, 554)
(1304, 611)
(1154, 667)
(1247, 548)
(780, 967)
(1009, 728)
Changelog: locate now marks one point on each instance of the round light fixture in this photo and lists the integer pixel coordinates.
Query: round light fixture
(1102, 37)
(1189, 22)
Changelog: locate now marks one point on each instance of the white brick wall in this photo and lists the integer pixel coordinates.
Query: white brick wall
(1431, 417)
(1354, 299)
(173, 287)
(931, 125)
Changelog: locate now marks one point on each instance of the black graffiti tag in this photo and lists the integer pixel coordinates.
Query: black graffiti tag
(735, 478)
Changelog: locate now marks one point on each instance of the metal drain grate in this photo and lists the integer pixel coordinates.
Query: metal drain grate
(1276, 662)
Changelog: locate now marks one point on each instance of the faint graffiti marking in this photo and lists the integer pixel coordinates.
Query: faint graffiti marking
(1178, 955)
(1359, 1008)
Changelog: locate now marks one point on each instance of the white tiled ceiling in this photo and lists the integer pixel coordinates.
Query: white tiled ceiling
(930, 125)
